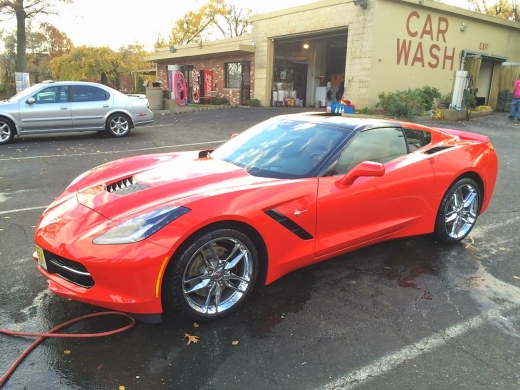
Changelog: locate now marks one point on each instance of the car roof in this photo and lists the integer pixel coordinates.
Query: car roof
(58, 83)
(345, 122)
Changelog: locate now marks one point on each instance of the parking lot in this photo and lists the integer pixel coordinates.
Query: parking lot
(405, 314)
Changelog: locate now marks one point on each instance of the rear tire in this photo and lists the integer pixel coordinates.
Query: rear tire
(7, 131)
(118, 125)
(458, 211)
(213, 276)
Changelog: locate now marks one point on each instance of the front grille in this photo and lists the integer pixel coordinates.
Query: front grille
(69, 270)
(125, 186)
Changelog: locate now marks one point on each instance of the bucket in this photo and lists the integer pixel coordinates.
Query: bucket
(275, 96)
(293, 94)
(281, 95)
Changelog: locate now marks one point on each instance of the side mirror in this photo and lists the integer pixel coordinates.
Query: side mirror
(367, 168)
(31, 100)
(233, 135)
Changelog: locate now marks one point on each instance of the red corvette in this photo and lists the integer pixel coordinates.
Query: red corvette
(200, 229)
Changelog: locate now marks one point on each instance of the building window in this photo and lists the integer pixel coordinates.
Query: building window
(233, 74)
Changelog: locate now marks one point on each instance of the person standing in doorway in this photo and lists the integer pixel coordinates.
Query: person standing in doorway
(515, 103)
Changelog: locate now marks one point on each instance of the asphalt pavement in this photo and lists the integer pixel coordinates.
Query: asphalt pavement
(405, 314)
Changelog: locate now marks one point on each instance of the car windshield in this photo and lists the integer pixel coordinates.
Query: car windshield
(25, 93)
(281, 148)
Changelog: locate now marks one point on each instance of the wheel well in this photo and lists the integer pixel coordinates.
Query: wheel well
(122, 113)
(476, 177)
(4, 118)
(248, 230)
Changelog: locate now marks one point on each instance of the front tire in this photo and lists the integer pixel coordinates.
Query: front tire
(213, 276)
(7, 131)
(458, 211)
(118, 125)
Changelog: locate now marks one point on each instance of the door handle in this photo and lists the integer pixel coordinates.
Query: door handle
(106, 105)
(63, 108)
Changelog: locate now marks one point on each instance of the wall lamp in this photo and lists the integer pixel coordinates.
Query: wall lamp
(463, 27)
(305, 45)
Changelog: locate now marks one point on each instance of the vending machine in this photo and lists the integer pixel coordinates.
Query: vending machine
(202, 84)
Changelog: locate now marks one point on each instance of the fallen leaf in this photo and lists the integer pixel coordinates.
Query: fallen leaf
(191, 339)
(99, 367)
(234, 342)
(516, 277)
(502, 249)
(66, 352)
(195, 325)
(7, 217)
(121, 388)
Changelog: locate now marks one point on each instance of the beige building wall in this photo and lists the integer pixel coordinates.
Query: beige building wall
(420, 43)
(299, 22)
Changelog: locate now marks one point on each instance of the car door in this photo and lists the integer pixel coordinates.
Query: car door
(89, 107)
(49, 112)
(377, 206)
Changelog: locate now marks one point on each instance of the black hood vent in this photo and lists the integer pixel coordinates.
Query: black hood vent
(126, 186)
(437, 149)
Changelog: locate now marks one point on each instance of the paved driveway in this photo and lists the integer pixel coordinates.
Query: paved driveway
(406, 314)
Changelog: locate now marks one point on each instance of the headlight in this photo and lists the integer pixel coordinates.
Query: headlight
(139, 228)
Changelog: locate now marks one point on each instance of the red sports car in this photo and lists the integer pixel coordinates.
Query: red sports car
(201, 229)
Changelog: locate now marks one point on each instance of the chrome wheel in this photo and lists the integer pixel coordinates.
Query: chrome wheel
(458, 211)
(461, 211)
(218, 275)
(118, 125)
(6, 132)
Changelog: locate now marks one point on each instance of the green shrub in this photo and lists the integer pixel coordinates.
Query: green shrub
(391, 100)
(400, 109)
(253, 103)
(165, 94)
(428, 95)
(221, 100)
(365, 111)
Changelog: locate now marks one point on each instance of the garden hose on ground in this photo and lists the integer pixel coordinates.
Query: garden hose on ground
(51, 333)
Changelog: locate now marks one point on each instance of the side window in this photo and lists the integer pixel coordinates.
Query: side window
(378, 145)
(52, 95)
(416, 139)
(87, 93)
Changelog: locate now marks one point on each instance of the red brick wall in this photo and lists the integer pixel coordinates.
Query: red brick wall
(216, 64)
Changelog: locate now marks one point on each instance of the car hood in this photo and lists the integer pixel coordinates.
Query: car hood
(132, 186)
(4, 104)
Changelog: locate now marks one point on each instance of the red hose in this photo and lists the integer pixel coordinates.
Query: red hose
(43, 336)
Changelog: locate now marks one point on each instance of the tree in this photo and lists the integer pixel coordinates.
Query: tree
(505, 9)
(97, 63)
(235, 22)
(195, 25)
(23, 10)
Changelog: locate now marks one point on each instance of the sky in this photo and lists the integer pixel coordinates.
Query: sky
(116, 23)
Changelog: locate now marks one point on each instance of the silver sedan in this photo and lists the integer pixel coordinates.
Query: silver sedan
(70, 106)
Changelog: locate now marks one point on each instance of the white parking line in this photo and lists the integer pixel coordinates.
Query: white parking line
(25, 209)
(410, 352)
(112, 151)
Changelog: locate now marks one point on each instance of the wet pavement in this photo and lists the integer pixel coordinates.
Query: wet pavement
(407, 314)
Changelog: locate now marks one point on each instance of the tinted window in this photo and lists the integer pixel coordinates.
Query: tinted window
(378, 145)
(417, 139)
(57, 94)
(281, 148)
(87, 93)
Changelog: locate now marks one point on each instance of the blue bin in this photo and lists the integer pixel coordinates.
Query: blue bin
(341, 108)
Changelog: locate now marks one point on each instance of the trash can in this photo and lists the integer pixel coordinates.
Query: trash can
(154, 95)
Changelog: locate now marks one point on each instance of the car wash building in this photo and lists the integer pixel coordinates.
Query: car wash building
(369, 46)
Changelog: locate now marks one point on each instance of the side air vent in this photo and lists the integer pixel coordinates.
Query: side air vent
(289, 224)
(125, 186)
(437, 149)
